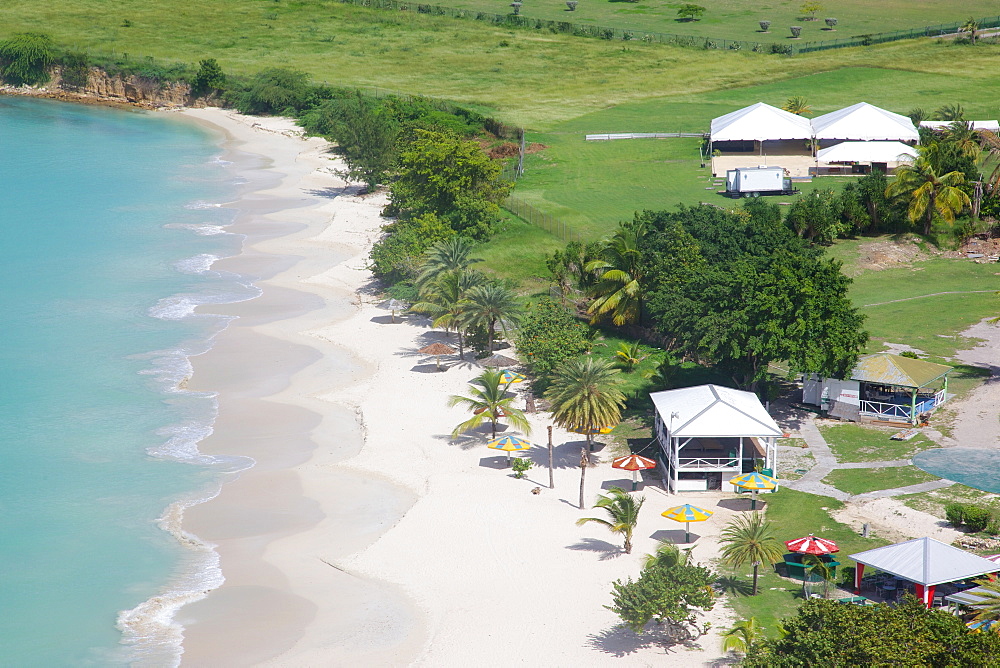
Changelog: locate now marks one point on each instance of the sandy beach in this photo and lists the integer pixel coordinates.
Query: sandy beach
(363, 535)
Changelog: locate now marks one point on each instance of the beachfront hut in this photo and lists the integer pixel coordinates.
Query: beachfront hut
(864, 122)
(883, 386)
(750, 128)
(709, 433)
(923, 561)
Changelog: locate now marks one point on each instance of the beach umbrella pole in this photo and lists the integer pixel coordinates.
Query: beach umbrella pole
(687, 532)
(634, 481)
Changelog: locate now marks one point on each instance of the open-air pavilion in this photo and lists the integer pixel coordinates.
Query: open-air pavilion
(708, 434)
(745, 138)
(863, 156)
(863, 122)
(925, 562)
(883, 386)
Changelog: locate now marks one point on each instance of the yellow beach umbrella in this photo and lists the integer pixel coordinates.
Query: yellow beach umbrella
(755, 482)
(509, 444)
(687, 514)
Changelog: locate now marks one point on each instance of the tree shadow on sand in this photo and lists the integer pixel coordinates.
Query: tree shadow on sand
(605, 549)
(620, 641)
(733, 586)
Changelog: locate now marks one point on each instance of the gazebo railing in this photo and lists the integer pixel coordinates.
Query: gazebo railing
(885, 411)
(703, 463)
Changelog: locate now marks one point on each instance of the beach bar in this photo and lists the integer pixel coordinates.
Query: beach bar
(883, 387)
(707, 434)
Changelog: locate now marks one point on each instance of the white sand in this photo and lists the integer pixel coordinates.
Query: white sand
(364, 536)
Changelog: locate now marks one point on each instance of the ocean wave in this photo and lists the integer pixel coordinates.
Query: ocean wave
(197, 264)
(201, 204)
(201, 229)
(178, 307)
(217, 160)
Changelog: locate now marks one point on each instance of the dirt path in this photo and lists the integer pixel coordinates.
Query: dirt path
(977, 417)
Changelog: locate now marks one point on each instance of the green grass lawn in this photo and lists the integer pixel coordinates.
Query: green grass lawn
(795, 514)
(933, 502)
(739, 19)
(859, 481)
(855, 443)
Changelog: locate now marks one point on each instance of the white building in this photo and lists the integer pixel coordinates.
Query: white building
(709, 434)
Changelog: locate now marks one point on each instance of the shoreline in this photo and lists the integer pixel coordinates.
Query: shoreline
(266, 367)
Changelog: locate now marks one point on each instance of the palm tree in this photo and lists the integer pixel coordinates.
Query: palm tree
(949, 112)
(488, 401)
(971, 26)
(450, 254)
(629, 356)
(748, 539)
(988, 610)
(618, 291)
(797, 105)
(928, 191)
(916, 115)
(490, 304)
(584, 394)
(444, 300)
(743, 636)
(667, 555)
(819, 568)
(964, 137)
(623, 509)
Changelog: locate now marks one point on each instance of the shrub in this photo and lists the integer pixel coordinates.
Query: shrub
(572, 5)
(208, 79)
(274, 91)
(977, 518)
(796, 30)
(25, 58)
(830, 23)
(548, 335)
(765, 26)
(993, 528)
(75, 70)
(520, 465)
(690, 12)
(955, 514)
(909, 353)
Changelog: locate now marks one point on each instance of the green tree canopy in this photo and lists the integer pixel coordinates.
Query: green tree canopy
(208, 79)
(25, 58)
(828, 633)
(585, 394)
(547, 336)
(741, 292)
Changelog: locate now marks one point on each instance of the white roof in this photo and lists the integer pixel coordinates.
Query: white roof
(760, 122)
(868, 151)
(711, 410)
(992, 126)
(926, 561)
(971, 597)
(864, 122)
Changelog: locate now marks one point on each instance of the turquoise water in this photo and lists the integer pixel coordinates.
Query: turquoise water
(109, 228)
(970, 466)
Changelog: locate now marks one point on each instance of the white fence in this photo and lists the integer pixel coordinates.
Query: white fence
(643, 135)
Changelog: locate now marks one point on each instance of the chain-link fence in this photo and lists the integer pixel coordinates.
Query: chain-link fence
(533, 216)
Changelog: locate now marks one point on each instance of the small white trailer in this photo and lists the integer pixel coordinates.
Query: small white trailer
(757, 181)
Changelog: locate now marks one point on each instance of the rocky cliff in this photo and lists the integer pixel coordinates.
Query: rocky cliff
(103, 88)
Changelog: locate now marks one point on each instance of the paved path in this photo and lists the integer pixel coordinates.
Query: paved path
(826, 462)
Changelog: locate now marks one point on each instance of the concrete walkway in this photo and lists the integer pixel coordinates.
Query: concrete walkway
(826, 461)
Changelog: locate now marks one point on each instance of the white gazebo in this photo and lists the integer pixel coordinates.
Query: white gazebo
(864, 122)
(925, 562)
(708, 434)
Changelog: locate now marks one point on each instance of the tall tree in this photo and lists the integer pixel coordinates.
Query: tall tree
(447, 255)
(488, 400)
(489, 305)
(623, 513)
(444, 300)
(366, 134)
(929, 191)
(748, 539)
(585, 393)
(618, 291)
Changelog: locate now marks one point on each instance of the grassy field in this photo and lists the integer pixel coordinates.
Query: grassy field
(859, 481)
(793, 515)
(934, 502)
(855, 443)
(739, 19)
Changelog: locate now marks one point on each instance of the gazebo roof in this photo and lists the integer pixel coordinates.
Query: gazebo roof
(760, 122)
(926, 561)
(714, 411)
(864, 122)
(890, 369)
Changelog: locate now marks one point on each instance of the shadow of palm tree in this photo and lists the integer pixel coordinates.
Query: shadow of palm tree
(620, 641)
(602, 547)
(734, 586)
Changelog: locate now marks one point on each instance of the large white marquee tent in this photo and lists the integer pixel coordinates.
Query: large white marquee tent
(864, 122)
(760, 122)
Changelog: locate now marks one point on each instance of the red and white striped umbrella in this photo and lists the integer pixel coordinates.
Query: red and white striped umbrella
(812, 545)
(633, 463)
(995, 558)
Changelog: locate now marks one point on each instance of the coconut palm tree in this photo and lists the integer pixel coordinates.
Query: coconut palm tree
(585, 394)
(928, 191)
(743, 636)
(964, 137)
(949, 112)
(451, 254)
(971, 26)
(622, 509)
(490, 304)
(819, 568)
(629, 356)
(444, 300)
(916, 115)
(797, 105)
(488, 401)
(618, 291)
(667, 555)
(748, 539)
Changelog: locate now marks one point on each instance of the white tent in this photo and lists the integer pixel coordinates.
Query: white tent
(925, 562)
(714, 411)
(868, 151)
(760, 122)
(992, 126)
(864, 122)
